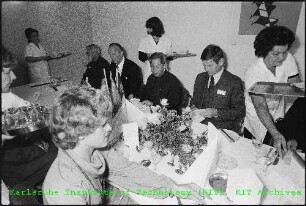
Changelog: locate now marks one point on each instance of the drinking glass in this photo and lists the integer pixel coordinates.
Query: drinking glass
(258, 148)
(265, 161)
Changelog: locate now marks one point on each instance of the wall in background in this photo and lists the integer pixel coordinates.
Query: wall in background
(190, 25)
(62, 26)
(70, 26)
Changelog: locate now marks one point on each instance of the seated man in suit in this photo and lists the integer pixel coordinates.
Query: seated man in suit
(96, 68)
(161, 84)
(126, 73)
(219, 93)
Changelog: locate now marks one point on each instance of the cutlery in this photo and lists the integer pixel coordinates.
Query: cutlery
(270, 150)
(298, 158)
(276, 160)
(228, 137)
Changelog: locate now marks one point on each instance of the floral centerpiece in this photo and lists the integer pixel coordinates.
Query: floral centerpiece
(172, 135)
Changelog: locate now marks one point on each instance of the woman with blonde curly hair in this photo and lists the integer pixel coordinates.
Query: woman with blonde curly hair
(79, 126)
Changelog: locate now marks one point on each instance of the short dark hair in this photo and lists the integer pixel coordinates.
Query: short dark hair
(28, 33)
(119, 47)
(272, 36)
(156, 25)
(213, 52)
(158, 55)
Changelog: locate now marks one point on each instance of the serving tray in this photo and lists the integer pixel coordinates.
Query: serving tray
(280, 89)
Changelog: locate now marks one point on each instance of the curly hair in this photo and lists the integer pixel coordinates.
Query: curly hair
(215, 53)
(270, 37)
(156, 25)
(78, 112)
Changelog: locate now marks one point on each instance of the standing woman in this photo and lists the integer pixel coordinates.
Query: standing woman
(155, 41)
(36, 57)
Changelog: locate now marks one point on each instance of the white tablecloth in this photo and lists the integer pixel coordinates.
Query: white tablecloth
(47, 95)
(280, 177)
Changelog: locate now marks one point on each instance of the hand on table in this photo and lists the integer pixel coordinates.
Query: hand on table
(195, 189)
(279, 142)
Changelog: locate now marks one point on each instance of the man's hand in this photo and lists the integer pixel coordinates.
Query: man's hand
(147, 102)
(209, 112)
(195, 195)
(292, 144)
(279, 142)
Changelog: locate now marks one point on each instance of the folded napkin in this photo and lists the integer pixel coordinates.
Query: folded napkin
(136, 115)
(242, 186)
(130, 134)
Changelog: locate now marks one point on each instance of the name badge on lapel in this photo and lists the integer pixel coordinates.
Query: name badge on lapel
(222, 92)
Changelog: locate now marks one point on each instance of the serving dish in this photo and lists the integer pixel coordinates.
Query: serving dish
(23, 120)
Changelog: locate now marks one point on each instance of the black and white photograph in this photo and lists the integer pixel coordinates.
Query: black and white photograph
(153, 103)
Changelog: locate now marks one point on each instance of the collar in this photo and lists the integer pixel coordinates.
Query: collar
(95, 167)
(217, 76)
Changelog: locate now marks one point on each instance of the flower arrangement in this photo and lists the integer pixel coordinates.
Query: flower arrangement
(172, 135)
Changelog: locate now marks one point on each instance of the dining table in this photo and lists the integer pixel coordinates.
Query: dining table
(285, 179)
(43, 93)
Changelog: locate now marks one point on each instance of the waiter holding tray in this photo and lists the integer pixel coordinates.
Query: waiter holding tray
(37, 57)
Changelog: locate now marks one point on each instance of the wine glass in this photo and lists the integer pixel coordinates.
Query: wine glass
(258, 145)
(265, 161)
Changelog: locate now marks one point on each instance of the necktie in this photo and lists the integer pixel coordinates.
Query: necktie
(119, 83)
(211, 83)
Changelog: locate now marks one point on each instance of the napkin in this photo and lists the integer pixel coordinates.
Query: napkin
(136, 115)
(198, 128)
(242, 186)
(130, 134)
(206, 162)
(196, 116)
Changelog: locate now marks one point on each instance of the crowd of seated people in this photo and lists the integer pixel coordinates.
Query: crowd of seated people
(79, 126)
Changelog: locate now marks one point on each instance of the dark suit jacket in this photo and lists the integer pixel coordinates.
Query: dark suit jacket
(95, 73)
(165, 87)
(131, 77)
(230, 106)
